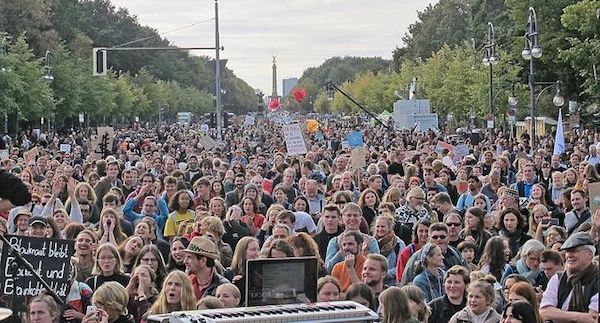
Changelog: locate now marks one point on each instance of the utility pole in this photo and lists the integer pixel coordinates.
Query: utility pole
(218, 75)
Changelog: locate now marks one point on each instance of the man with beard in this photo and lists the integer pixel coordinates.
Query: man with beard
(572, 296)
(234, 197)
(348, 271)
(374, 272)
(201, 256)
(466, 200)
(580, 213)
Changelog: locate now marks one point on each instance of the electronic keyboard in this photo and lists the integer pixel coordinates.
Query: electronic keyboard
(324, 312)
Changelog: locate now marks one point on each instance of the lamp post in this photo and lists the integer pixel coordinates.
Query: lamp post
(490, 59)
(531, 51)
(48, 76)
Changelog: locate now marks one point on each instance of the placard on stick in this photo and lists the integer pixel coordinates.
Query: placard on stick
(294, 139)
(50, 258)
(594, 189)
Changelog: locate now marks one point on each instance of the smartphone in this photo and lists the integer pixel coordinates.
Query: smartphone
(552, 221)
(92, 309)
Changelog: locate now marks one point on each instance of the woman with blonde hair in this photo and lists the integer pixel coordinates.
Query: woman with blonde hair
(305, 246)
(129, 250)
(229, 295)
(177, 294)
(142, 291)
(390, 245)
(246, 249)
(85, 192)
(43, 309)
(480, 303)
(394, 306)
(393, 195)
(111, 301)
(213, 228)
(107, 267)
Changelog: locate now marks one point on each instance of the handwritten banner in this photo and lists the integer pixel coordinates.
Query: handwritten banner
(50, 258)
(294, 140)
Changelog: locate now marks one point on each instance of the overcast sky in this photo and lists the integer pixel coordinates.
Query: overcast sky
(302, 33)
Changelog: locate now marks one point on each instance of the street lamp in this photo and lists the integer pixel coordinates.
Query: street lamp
(48, 76)
(531, 51)
(490, 59)
(558, 99)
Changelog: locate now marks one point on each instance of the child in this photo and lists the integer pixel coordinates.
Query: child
(467, 251)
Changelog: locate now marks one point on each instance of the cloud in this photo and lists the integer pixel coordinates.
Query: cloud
(302, 33)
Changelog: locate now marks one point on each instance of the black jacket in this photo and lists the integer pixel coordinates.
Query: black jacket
(442, 310)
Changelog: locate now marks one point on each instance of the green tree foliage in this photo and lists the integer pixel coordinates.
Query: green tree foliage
(584, 50)
(140, 81)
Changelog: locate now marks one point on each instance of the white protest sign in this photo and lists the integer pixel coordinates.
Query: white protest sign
(207, 142)
(249, 121)
(204, 127)
(65, 148)
(461, 150)
(294, 139)
(4, 153)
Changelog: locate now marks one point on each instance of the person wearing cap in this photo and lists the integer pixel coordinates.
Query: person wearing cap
(21, 222)
(201, 260)
(467, 199)
(572, 295)
(37, 227)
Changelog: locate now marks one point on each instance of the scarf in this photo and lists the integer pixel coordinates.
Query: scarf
(575, 281)
(387, 243)
(530, 274)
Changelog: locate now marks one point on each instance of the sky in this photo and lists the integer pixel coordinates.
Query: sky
(301, 34)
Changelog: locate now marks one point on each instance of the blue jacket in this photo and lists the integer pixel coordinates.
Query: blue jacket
(431, 285)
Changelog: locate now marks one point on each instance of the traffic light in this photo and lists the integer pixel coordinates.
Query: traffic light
(99, 58)
(212, 121)
(227, 119)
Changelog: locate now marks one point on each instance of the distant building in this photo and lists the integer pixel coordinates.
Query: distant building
(288, 85)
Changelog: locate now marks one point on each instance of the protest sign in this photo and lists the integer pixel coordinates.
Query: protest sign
(594, 189)
(4, 153)
(355, 139)
(207, 142)
(50, 258)
(461, 150)
(249, 121)
(294, 140)
(204, 127)
(357, 159)
(65, 148)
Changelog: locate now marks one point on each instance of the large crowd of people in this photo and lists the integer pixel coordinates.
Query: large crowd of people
(162, 221)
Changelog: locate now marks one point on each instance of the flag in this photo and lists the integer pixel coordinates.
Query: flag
(559, 141)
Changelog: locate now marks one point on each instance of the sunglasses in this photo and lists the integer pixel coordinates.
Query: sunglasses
(438, 237)
(453, 224)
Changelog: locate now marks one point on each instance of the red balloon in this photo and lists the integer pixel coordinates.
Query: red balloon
(274, 105)
(299, 93)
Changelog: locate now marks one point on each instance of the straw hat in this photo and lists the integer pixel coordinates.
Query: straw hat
(204, 247)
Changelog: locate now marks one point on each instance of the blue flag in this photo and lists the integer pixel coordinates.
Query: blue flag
(559, 141)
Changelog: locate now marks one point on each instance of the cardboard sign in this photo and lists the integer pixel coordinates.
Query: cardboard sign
(594, 190)
(66, 148)
(357, 159)
(208, 143)
(355, 139)
(50, 258)
(294, 139)
(461, 150)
